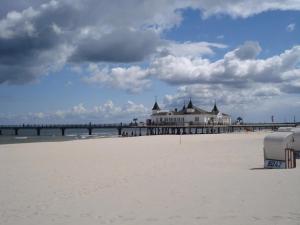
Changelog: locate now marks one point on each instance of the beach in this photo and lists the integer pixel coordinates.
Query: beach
(169, 179)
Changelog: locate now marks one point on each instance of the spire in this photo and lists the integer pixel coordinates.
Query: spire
(183, 108)
(215, 109)
(155, 107)
(190, 105)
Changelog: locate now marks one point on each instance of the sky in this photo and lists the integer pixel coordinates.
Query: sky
(105, 61)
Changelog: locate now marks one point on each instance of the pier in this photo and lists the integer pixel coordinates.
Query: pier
(153, 129)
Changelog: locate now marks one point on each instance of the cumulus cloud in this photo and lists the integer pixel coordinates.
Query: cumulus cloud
(28, 47)
(204, 95)
(243, 8)
(133, 79)
(105, 113)
(238, 67)
(191, 49)
(249, 50)
(34, 33)
(291, 27)
(121, 45)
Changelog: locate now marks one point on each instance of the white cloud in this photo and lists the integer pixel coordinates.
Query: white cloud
(133, 79)
(243, 8)
(56, 29)
(249, 50)
(110, 31)
(16, 23)
(79, 109)
(291, 27)
(203, 94)
(239, 67)
(108, 112)
(191, 49)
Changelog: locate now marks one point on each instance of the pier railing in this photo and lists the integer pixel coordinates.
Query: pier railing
(151, 128)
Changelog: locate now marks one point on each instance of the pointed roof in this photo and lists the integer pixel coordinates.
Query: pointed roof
(190, 105)
(155, 107)
(183, 108)
(215, 109)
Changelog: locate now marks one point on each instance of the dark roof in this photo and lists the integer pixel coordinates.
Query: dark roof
(196, 111)
(215, 109)
(155, 107)
(183, 108)
(190, 105)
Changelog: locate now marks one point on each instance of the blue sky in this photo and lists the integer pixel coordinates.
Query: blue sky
(57, 67)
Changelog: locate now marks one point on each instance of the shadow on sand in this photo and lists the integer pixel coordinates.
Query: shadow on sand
(259, 168)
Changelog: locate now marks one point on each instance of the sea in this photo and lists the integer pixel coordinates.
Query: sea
(54, 135)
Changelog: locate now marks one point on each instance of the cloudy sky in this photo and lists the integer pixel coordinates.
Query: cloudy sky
(106, 60)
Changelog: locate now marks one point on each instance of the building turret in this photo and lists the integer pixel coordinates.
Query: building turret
(215, 109)
(190, 107)
(183, 108)
(155, 108)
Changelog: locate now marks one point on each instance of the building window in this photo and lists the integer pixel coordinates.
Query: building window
(197, 118)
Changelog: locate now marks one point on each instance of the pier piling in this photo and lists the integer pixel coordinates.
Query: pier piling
(38, 131)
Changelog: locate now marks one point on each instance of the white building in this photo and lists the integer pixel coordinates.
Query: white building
(189, 115)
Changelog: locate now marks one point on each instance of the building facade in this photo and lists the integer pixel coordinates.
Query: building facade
(188, 115)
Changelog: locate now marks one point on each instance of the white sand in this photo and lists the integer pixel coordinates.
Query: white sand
(208, 179)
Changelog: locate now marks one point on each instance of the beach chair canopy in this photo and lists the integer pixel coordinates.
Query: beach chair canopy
(296, 135)
(276, 143)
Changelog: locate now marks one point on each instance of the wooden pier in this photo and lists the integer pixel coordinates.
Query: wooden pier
(153, 129)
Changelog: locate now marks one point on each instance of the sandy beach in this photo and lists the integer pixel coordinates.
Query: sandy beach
(205, 179)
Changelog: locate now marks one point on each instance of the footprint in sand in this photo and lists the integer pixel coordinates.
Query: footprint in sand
(201, 217)
(256, 218)
(151, 219)
(174, 217)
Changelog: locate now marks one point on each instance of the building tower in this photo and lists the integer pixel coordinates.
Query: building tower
(155, 108)
(190, 107)
(215, 109)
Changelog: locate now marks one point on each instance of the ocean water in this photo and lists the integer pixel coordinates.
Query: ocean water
(46, 135)
(30, 135)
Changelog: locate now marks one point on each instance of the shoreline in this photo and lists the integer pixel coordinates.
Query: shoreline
(7, 140)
